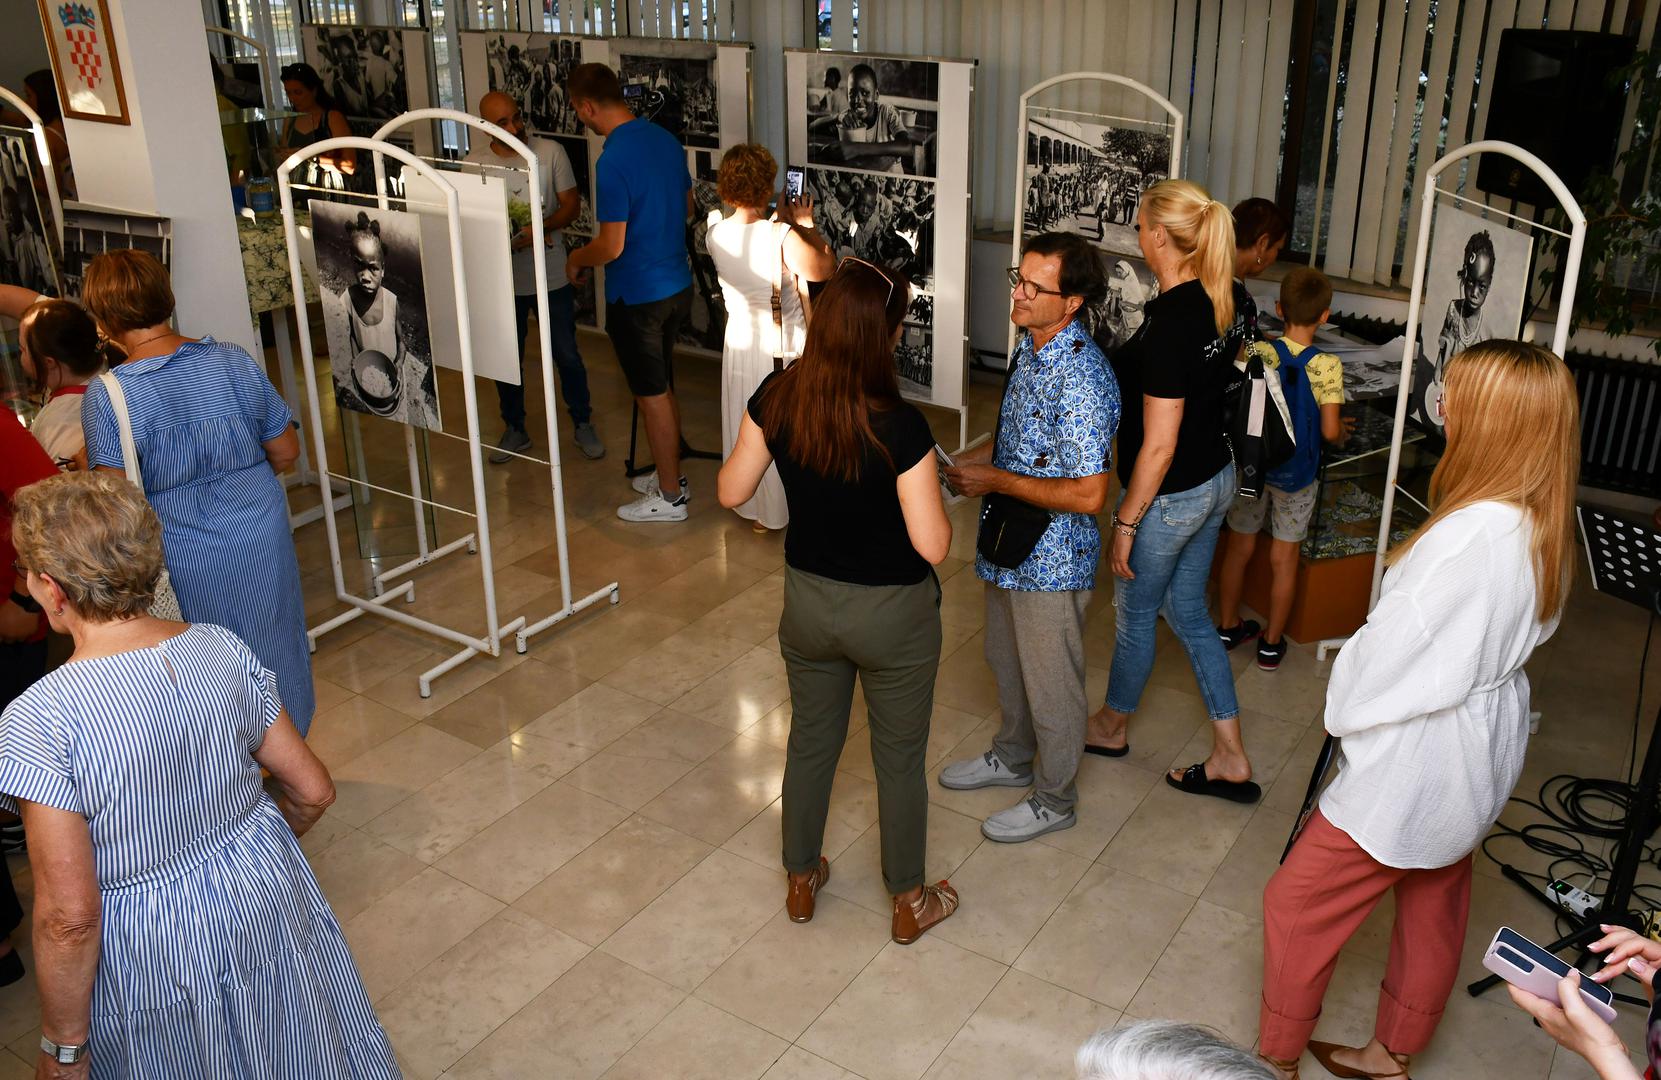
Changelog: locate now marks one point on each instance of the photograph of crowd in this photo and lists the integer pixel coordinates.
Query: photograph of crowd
(1130, 285)
(914, 356)
(362, 69)
(374, 299)
(1088, 179)
(707, 326)
(884, 220)
(872, 113)
(676, 93)
(28, 253)
(532, 69)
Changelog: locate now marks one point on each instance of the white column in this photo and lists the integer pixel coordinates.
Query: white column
(171, 160)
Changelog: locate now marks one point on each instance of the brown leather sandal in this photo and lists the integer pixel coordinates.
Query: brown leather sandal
(910, 920)
(798, 902)
(1323, 1051)
(1287, 1069)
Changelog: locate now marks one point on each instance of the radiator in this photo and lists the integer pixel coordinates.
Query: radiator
(1620, 423)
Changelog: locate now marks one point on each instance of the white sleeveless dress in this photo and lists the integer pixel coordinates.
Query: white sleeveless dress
(747, 259)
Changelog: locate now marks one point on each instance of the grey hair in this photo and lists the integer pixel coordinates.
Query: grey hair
(1166, 1050)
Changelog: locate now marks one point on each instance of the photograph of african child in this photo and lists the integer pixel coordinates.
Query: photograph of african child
(1476, 286)
(872, 113)
(532, 69)
(28, 234)
(706, 327)
(677, 93)
(914, 355)
(887, 220)
(1088, 179)
(374, 305)
(362, 68)
(1130, 286)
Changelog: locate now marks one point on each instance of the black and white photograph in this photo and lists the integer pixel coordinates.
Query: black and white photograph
(1130, 285)
(887, 220)
(576, 149)
(677, 93)
(532, 69)
(706, 328)
(588, 312)
(1476, 285)
(1088, 178)
(374, 305)
(873, 113)
(914, 355)
(28, 248)
(80, 244)
(362, 69)
(239, 81)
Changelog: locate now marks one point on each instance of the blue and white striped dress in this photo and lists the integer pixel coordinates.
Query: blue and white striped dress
(200, 416)
(220, 957)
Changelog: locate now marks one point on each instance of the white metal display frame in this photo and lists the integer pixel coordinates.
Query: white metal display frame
(1560, 332)
(44, 150)
(1175, 125)
(556, 478)
(476, 542)
(796, 141)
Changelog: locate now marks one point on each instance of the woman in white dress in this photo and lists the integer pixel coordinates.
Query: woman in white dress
(754, 254)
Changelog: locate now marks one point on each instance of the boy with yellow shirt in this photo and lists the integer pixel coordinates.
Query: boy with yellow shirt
(1313, 383)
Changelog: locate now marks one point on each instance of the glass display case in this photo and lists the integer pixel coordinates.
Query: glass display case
(252, 137)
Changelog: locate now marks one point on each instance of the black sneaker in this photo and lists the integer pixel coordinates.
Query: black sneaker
(1269, 656)
(1238, 635)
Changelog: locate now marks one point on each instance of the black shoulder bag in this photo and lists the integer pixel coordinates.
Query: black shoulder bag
(1009, 527)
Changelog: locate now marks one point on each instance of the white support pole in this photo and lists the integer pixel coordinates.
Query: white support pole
(539, 260)
(490, 643)
(1174, 169)
(43, 150)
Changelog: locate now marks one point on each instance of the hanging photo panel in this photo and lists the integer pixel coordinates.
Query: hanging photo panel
(1086, 176)
(29, 254)
(1476, 287)
(373, 73)
(372, 291)
(1130, 285)
(675, 86)
(886, 145)
(531, 69)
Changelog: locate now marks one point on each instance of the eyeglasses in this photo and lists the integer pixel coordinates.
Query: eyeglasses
(1026, 288)
(879, 271)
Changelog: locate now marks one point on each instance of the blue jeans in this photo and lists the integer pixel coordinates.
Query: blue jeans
(562, 336)
(1171, 559)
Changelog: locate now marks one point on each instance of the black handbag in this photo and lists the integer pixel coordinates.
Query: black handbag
(1009, 527)
(1256, 424)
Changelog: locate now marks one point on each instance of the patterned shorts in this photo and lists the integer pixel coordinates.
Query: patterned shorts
(1289, 513)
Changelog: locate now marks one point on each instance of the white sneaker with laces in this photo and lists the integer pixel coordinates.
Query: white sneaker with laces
(1025, 820)
(988, 770)
(646, 483)
(653, 507)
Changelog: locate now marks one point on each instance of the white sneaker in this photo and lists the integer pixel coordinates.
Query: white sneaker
(1025, 820)
(653, 507)
(646, 483)
(988, 770)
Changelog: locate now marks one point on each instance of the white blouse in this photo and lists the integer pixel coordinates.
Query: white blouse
(1429, 699)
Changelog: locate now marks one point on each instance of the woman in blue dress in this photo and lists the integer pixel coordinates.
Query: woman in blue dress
(212, 435)
(178, 931)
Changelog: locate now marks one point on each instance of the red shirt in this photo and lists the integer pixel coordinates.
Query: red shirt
(22, 462)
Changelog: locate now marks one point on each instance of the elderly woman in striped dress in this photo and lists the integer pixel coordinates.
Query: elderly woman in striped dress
(178, 930)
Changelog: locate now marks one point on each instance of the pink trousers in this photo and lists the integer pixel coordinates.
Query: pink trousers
(1314, 904)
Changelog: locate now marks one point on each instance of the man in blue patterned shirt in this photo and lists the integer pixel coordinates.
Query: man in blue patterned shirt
(1055, 433)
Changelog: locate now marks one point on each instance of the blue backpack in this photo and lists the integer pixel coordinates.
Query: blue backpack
(1298, 471)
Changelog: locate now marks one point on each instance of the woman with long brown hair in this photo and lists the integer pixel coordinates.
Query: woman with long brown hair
(860, 596)
(1431, 704)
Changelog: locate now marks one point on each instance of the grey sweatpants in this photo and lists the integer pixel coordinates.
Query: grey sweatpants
(1035, 647)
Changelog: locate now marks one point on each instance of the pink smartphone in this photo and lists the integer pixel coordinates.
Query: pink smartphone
(1527, 966)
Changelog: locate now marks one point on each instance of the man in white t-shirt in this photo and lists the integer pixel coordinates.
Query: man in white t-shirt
(561, 205)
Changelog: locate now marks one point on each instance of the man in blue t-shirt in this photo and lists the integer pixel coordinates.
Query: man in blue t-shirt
(643, 198)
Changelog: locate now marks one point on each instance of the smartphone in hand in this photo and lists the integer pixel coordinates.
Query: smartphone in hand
(794, 179)
(1527, 966)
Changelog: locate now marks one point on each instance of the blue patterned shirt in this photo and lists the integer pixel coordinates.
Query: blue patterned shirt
(1059, 415)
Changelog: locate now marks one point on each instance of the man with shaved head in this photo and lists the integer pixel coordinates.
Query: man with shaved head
(561, 205)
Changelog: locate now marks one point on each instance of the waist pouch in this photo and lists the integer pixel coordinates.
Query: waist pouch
(1010, 529)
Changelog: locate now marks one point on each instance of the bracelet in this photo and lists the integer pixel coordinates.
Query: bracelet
(1128, 528)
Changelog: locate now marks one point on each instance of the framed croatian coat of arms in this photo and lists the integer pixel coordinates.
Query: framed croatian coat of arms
(83, 58)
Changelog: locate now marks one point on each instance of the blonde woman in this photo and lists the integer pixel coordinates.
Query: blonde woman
(1431, 704)
(1177, 477)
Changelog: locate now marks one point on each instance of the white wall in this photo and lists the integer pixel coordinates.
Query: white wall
(170, 160)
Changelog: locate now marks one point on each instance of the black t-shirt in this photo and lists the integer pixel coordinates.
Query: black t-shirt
(1177, 353)
(854, 532)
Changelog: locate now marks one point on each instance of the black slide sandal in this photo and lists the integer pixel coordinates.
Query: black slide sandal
(1107, 751)
(1195, 782)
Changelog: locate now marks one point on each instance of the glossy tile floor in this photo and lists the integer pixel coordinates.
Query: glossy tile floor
(565, 864)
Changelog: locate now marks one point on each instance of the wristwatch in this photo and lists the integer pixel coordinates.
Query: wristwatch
(63, 1055)
(26, 602)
